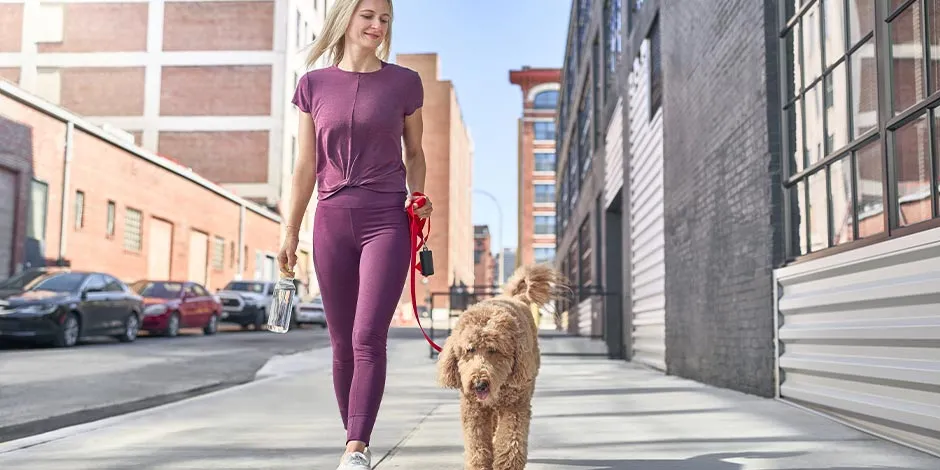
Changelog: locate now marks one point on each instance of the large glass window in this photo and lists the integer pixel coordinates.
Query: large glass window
(544, 254)
(544, 130)
(584, 139)
(656, 70)
(546, 100)
(853, 169)
(545, 193)
(613, 40)
(545, 161)
(545, 225)
(584, 249)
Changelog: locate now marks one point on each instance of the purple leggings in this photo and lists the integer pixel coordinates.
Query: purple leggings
(361, 255)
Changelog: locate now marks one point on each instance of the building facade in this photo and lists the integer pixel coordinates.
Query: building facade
(484, 263)
(448, 148)
(205, 83)
(16, 171)
(98, 202)
(537, 165)
(767, 214)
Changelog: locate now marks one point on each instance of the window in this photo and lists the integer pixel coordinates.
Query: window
(546, 100)
(839, 144)
(133, 224)
(218, 253)
(49, 30)
(79, 209)
(613, 41)
(112, 284)
(584, 249)
(112, 214)
(38, 203)
(656, 70)
(545, 225)
(477, 256)
(544, 193)
(544, 254)
(545, 161)
(585, 141)
(544, 130)
(231, 254)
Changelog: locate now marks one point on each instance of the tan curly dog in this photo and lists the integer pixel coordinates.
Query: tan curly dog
(492, 357)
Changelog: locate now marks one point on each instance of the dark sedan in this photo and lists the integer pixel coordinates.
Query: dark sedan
(61, 308)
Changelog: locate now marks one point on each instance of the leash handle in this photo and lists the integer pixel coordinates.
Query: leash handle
(416, 229)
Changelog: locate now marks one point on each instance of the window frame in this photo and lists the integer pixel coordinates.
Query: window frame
(888, 123)
(546, 122)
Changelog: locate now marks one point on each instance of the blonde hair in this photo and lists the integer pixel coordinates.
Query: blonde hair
(333, 36)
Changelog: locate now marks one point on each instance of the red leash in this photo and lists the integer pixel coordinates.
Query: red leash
(418, 240)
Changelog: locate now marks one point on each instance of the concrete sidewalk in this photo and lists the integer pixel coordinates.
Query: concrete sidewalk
(590, 413)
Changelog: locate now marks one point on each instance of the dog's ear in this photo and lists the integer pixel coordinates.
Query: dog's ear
(447, 373)
(525, 358)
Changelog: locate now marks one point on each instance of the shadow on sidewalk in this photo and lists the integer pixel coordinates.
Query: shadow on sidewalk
(701, 462)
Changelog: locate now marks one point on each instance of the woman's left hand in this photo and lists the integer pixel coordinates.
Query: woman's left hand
(422, 212)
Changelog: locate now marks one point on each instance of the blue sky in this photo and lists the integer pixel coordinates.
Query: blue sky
(479, 42)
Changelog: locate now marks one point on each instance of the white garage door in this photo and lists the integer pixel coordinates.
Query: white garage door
(647, 236)
(8, 202)
(160, 249)
(198, 256)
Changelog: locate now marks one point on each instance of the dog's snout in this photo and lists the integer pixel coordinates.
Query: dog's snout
(481, 385)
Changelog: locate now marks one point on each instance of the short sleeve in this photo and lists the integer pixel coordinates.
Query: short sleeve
(415, 95)
(302, 94)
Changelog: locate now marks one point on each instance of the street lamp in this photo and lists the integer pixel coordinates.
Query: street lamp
(502, 255)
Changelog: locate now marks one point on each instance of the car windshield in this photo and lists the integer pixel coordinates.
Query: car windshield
(21, 280)
(64, 282)
(160, 290)
(256, 287)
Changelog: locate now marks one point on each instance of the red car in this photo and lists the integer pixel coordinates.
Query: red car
(169, 306)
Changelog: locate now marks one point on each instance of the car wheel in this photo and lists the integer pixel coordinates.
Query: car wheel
(69, 333)
(131, 328)
(260, 319)
(213, 326)
(173, 326)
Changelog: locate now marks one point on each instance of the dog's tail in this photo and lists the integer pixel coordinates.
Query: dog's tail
(535, 284)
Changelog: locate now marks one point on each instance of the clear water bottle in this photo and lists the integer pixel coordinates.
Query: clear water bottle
(282, 306)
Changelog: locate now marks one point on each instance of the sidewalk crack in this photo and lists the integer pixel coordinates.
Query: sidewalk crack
(394, 450)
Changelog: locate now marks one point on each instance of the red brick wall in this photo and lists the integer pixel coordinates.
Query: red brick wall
(102, 27)
(11, 27)
(107, 172)
(216, 91)
(214, 26)
(10, 73)
(212, 154)
(103, 91)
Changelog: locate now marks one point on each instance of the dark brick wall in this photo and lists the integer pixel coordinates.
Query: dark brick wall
(723, 234)
(16, 155)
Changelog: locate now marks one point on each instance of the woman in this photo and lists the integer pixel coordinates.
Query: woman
(353, 116)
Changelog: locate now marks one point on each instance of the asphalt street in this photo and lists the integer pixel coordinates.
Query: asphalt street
(43, 389)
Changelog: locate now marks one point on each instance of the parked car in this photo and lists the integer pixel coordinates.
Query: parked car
(64, 307)
(311, 312)
(21, 281)
(169, 306)
(246, 302)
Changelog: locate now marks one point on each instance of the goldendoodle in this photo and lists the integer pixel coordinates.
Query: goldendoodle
(492, 357)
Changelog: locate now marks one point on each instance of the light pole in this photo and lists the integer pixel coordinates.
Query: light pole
(502, 255)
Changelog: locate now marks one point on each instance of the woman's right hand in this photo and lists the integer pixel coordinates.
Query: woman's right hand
(287, 257)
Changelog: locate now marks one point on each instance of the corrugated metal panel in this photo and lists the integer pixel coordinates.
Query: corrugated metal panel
(613, 174)
(585, 318)
(859, 338)
(646, 221)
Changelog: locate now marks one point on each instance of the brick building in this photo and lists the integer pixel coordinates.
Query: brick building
(540, 90)
(449, 150)
(752, 187)
(99, 202)
(206, 83)
(484, 263)
(16, 171)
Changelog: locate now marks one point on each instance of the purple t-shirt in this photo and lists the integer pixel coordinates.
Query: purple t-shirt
(359, 120)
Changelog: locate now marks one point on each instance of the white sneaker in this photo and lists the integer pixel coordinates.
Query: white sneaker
(356, 461)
